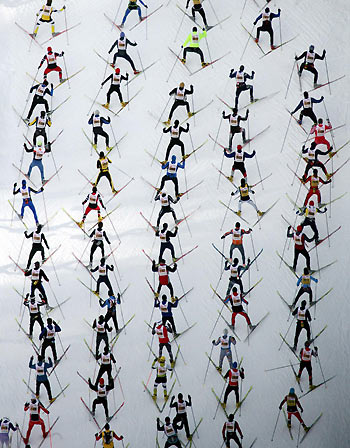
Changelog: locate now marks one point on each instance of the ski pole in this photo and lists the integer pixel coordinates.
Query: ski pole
(223, 221)
(290, 78)
(115, 17)
(245, 2)
(223, 251)
(274, 429)
(284, 337)
(219, 402)
(325, 60)
(27, 99)
(65, 21)
(93, 102)
(115, 140)
(31, 40)
(162, 112)
(256, 261)
(217, 134)
(150, 348)
(172, 69)
(257, 165)
(285, 135)
(206, 371)
(216, 17)
(221, 165)
(246, 45)
(331, 132)
(194, 420)
(194, 117)
(138, 53)
(207, 44)
(195, 155)
(280, 30)
(65, 65)
(217, 319)
(281, 367)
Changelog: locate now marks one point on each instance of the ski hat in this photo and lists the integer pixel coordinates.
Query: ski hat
(33, 399)
(5, 419)
(241, 68)
(307, 343)
(243, 182)
(194, 29)
(40, 358)
(173, 159)
(24, 183)
(306, 271)
(94, 189)
(101, 381)
(225, 331)
(292, 390)
(165, 225)
(230, 418)
(36, 264)
(237, 225)
(311, 48)
(234, 110)
(164, 298)
(311, 203)
(313, 145)
(306, 94)
(303, 304)
(180, 396)
(100, 224)
(32, 299)
(97, 112)
(106, 350)
(320, 121)
(176, 123)
(45, 82)
(267, 9)
(49, 49)
(162, 359)
(235, 261)
(182, 85)
(234, 365)
(122, 35)
(102, 261)
(102, 154)
(161, 261)
(49, 321)
(117, 70)
(42, 114)
(239, 148)
(107, 426)
(40, 143)
(299, 229)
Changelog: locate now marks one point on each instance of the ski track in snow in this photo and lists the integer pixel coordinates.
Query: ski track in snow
(325, 26)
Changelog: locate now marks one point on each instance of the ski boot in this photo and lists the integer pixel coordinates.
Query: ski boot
(62, 80)
(109, 148)
(260, 213)
(223, 405)
(93, 413)
(312, 387)
(54, 34)
(80, 224)
(329, 175)
(177, 221)
(26, 120)
(239, 213)
(252, 100)
(172, 364)
(99, 219)
(106, 105)
(204, 64)
(289, 424)
(306, 428)
(121, 25)
(219, 369)
(294, 348)
(52, 400)
(230, 178)
(186, 156)
(273, 47)
(123, 103)
(189, 437)
(190, 114)
(156, 295)
(183, 60)
(174, 299)
(94, 145)
(43, 182)
(166, 396)
(256, 40)
(298, 379)
(137, 72)
(167, 123)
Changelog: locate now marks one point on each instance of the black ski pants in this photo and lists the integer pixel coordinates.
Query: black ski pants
(302, 291)
(233, 131)
(166, 245)
(169, 319)
(38, 285)
(104, 368)
(200, 10)
(241, 88)
(266, 26)
(47, 386)
(164, 211)
(308, 112)
(228, 390)
(196, 50)
(112, 315)
(301, 324)
(36, 101)
(312, 224)
(99, 131)
(95, 245)
(173, 142)
(168, 347)
(49, 343)
(124, 55)
(183, 422)
(176, 104)
(303, 252)
(36, 248)
(99, 338)
(103, 401)
(103, 279)
(39, 133)
(169, 286)
(114, 88)
(105, 174)
(35, 318)
(309, 68)
(174, 181)
(232, 436)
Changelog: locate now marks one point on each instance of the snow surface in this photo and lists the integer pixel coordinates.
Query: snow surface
(322, 23)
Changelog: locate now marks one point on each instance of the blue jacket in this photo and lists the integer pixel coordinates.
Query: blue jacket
(272, 16)
(169, 307)
(300, 105)
(178, 165)
(306, 286)
(44, 331)
(46, 366)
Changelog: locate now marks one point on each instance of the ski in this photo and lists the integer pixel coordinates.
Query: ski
(297, 379)
(254, 326)
(61, 104)
(61, 32)
(184, 255)
(318, 334)
(290, 347)
(288, 266)
(220, 402)
(115, 412)
(235, 213)
(334, 153)
(264, 213)
(297, 122)
(102, 105)
(84, 265)
(69, 77)
(91, 414)
(290, 307)
(307, 432)
(76, 222)
(59, 360)
(243, 399)
(56, 396)
(48, 432)
(104, 217)
(120, 189)
(210, 63)
(318, 385)
(289, 429)
(52, 308)
(29, 34)
(25, 175)
(252, 261)
(341, 166)
(141, 71)
(252, 37)
(226, 177)
(278, 46)
(208, 28)
(230, 326)
(146, 17)
(333, 200)
(20, 116)
(255, 136)
(196, 112)
(216, 367)
(322, 297)
(179, 59)
(35, 347)
(313, 271)
(252, 444)
(116, 337)
(154, 399)
(127, 102)
(112, 22)
(270, 95)
(325, 238)
(53, 175)
(182, 332)
(154, 228)
(326, 83)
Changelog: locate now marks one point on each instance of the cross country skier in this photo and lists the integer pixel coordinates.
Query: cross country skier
(38, 239)
(34, 313)
(165, 243)
(310, 218)
(309, 62)
(175, 133)
(305, 282)
(93, 199)
(34, 408)
(241, 85)
(180, 420)
(121, 45)
(166, 310)
(306, 104)
(102, 164)
(5, 427)
(101, 389)
(171, 173)
(163, 273)
(116, 79)
(229, 432)
(191, 45)
(161, 378)
(197, 7)
(107, 436)
(40, 127)
(45, 14)
(180, 100)
(239, 157)
(132, 5)
(225, 342)
(103, 269)
(111, 304)
(101, 327)
(26, 198)
(319, 130)
(303, 318)
(235, 128)
(244, 189)
(315, 180)
(233, 376)
(266, 25)
(97, 121)
(106, 364)
(162, 331)
(237, 239)
(41, 368)
(37, 275)
(40, 91)
(170, 430)
(165, 200)
(235, 271)
(38, 154)
(47, 335)
(312, 158)
(299, 238)
(52, 66)
(306, 355)
(292, 408)
(236, 299)
(98, 235)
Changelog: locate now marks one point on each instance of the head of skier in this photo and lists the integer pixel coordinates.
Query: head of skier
(314, 172)
(107, 426)
(163, 193)
(303, 304)
(320, 121)
(102, 154)
(234, 111)
(239, 148)
(313, 145)
(42, 114)
(97, 113)
(234, 291)
(39, 228)
(194, 29)
(311, 48)
(237, 225)
(110, 293)
(165, 226)
(32, 300)
(230, 418)
(49, 322)
(234, 365)
(164, 299)
(267, 10)
(307, 344)
(40, 358)
(117, 71)
(162, 261)
(180, 397)
(100, 225)
(173, 158)
(225, 332)
(161, 360)
(37, 265)
(299, 229)
(106, 350)
(33, 400)
(101, 319)
(243, 183)
(306, 95)
(94, 189)
(241, 68)
(24, 183)
(176, 123)
(182, 85)
(292, 391)
(235, 261)
(46, 82)
(101, 382)
(49, 50)
(306, 271)
(102, 261)
(48, 2)
(311, 203)
(167, 420)
(122, 35)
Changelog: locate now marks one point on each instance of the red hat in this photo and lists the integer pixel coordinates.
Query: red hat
(49, 49)
(117, 70)
(101, 381)
(299, 228)
(311, 203)
(239, 147)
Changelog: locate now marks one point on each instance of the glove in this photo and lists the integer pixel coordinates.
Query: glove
(51, 86)
(322, 98)
(301, 410)
(26, 404)
(254, 23)
(296, 58)
(324, 52)
(96, 434)
(31, 358)
(15, 185)
(222, 237)
(213, 341)
(280, 408)
(223, 114)
(135, 43)
(252, 191)
(109, 118)
(39, 67)
(182, 46)
(146, 6)
(155, 360)
(62, 53)
(247, 111)
(64, 7)
(253, 72)
(109, 52)
(191, 86)
(279, 10)
(158, 419)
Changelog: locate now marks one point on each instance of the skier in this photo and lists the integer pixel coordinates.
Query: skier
(171, 173)
(37, 275)
(38, 154)
(236, 300)
(111, 304)
(233, 376)
(239, 157)
(319, 130)
(101, 327)
(132, 5)
(235, 273)
(103, 269)
(292, 408)
(163, 273)
(310, 218)
(97, 121)
(162, 332)
(312, 159)
(52, 66)
(303, 318)
(309, 60)
(48, 336)
(166, 310)
(241, 85)
(5, 427)
(34, 408)
(229, 432)
(121, 45)
(314, 182)
(307, 111)
(106, 364)
(180, 100)
(165, 200)
(306, 355)
(34, 313)
(26, 198)
(40, 127)
(237, 239)
(161, 378)
(101, 389)
(98, 235)
(244, 189)
(175, 133)
(41, 368)
(116, 78)
(266, 25)
(38, 239)
(180, 420)
(197, 7)
(305, 281)
(45, 14)
(299, 238)
(165, 243)
(191, 45)
(107, 436)
(93, 199)
(225, 341)
(40, 91)
(235, 128)
(102, 165)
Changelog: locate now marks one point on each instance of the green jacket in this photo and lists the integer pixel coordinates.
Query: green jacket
(194, 38)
